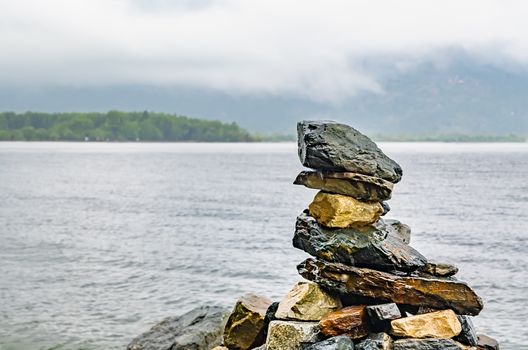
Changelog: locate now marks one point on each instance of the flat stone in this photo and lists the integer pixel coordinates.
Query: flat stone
(337, 210)
(439, 269)
(380, 315)
(426, 344)
(262, 347)
(200, 328)
(439, 324)
(359, 186)
(220, 348)
(290, 335)
(327, 145)
(376, 246)
(341, 342)
(350, 320)
(376, 341)
(468, 335)
(400, 289)
(487, 343)
(399, 229)
(307, 302)
(245, 328)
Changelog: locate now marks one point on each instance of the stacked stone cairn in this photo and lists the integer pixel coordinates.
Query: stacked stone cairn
(369, 289)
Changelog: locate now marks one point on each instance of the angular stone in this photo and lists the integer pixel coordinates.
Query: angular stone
(350, 320)
(220, 348)
(245, 327)
(439, 269)
(386, 208)
(327, 145)
(289, 335)
(411, 290)
(341, 342)
(337, 210)
(398, 228)
(359, 186)
(200, 328)
(380, 315)
(439, 324)
(306, 302)
(487, 343)
(426, 344)
(262, 347)
(468, 335)
(376, 341)
(376, 246)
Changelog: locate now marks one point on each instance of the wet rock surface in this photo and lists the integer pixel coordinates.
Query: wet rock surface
(411, 290)
(245, 328)
(337, 210)
(439, 324)
(290, 335)
(376, 246)
(468, 334)
(426, 344)
(342, 342)
(306, 302)
(376, 341)
(358, 186)
(325, 145)
(350, 320)
(200, 328)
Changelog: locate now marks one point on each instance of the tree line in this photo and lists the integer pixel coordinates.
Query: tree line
(117, 126)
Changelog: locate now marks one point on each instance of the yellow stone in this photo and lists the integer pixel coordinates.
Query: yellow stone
(438, 324)
(220, 348)
(337, 210)
(307, 302)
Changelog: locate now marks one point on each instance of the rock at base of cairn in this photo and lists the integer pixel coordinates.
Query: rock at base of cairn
(350, 320)
(341, 342)
(289, 335)
(427, 344)
(376, 341)
(467, 335)
(418, 291)
(439, 324)
(380, 315)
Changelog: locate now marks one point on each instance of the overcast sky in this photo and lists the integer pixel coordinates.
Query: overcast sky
(323, 50)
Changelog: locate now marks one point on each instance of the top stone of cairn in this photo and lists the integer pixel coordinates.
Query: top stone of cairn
(330, 146)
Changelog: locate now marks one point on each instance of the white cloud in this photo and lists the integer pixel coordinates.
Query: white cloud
(317, 49)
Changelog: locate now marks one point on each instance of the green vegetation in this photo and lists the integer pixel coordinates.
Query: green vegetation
(117, 126)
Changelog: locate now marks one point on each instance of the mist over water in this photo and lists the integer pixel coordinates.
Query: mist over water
(100, 241)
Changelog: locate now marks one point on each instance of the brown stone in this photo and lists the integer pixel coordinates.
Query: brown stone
(350, 320)
(359, 186)
(401, 289)
(245, 326)
(306, 302)
(439, 269)
(339, 211)
(439, 324)
(487, 343)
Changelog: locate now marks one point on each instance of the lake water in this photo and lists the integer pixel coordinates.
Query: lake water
(100, 241)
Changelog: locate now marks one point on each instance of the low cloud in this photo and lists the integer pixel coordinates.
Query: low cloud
(322, 50)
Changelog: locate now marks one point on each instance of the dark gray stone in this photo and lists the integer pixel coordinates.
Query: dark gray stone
(426, 344)
(376, 246)
(468, 335)
(380, 315)
(487, 343)
(341, 342)
(198, 329)
(376, 341)
(270, 316)
(386, 208)
(327, 145)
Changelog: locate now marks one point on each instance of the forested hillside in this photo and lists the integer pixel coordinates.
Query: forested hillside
(116, 126)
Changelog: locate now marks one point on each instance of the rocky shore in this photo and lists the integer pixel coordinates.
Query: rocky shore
(366, 287)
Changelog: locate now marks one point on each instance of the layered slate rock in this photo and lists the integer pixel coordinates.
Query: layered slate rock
(376, 341)
(403, 231)
(245, 328)
(418, 291)
(439, 324)
(375, 246)
(350, 320)
(341, 342)
(468, 334)
(337, 210)
(200, 328)
(289, 335)
(426, 344)
(326, 145)
(359, 186)
(306, 302)
(439, 269)
(487, 343)
(380, 315)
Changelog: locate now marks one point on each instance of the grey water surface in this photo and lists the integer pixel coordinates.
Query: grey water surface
(100, 241)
